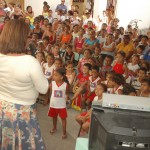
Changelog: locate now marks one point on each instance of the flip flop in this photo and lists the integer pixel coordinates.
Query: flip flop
(52, 131)
(64, 136)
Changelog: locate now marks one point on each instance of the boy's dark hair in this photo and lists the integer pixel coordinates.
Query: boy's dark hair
(46, 19)
(56, 45)
(70, 12)
(146, 80)
(143, 69)
(104, 86)
(59, 59)
(69, 46)
(122, 53)
(88, 50)
(110, 57)
(142, 47)
(75, 26)
(68, 62)
(88, 65)
(95, 68)
(145, 36)
(62, 72)
(46, 38)
(50, 24)
(118, 78)
(127, 89)
(51, 55)
(76, 11)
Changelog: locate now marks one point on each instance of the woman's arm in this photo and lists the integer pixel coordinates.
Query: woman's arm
(111, 49)
(39, 81)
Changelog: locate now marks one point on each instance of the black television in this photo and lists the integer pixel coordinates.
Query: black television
(116, 129)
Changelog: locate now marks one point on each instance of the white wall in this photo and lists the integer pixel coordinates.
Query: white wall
(134, 9)
(37, 5)
(99, 6)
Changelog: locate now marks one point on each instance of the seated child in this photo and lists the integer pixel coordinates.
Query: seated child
(58, 63)
(133, 66)
(117, 81)
(96, 55)
(106, 67)
(128, 90)
(80, 86)
(144, 91)
(69, 55)
(136, 82)
(56, 51)
(85, 117)
(94, 80)
(70, 73)
(85, 59)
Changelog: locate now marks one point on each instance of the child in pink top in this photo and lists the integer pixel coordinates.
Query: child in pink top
(85, 59)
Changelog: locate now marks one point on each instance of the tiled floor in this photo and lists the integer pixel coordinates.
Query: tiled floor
(54, 142)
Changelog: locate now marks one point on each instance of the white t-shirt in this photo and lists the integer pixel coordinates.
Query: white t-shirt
(97, 101)
(48, 70)
(21, 79)
(133, 67)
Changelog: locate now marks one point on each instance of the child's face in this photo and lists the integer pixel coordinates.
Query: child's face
(49, 28)
(39, 57)
(94, 73)
(97, 51)
(57, 77)
(50, 13)
(57, 64)
(50, 60)
(99, 90)
(135, 60)
(145, 87)
(46, 22)
(132, 94)
(85, 70)
(87, 54)
(108, 61)
(141, 74)
(36, 24)
(139, 50)
(56, 50)
(119, 58)
(63, 46)
(81, 32)
(92, 62)
(69, 67)
(69, 50)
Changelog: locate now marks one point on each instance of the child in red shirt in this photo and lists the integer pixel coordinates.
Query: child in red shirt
(80, 86)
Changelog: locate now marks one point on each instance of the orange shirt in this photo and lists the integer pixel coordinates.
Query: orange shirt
(66, 38)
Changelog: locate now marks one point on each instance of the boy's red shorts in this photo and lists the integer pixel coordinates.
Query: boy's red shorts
(54, 112)
(91, 97)
(84, 114)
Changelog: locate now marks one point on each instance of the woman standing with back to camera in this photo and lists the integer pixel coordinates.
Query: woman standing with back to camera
(21, 79)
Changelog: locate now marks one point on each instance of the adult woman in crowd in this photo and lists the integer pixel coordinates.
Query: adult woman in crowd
(91, 42)
(108, 47)
(21, 79)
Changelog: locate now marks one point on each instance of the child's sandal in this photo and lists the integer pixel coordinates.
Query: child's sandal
(52, 131)
(64, 136)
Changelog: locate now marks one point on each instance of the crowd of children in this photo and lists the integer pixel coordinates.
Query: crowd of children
(76, 60)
